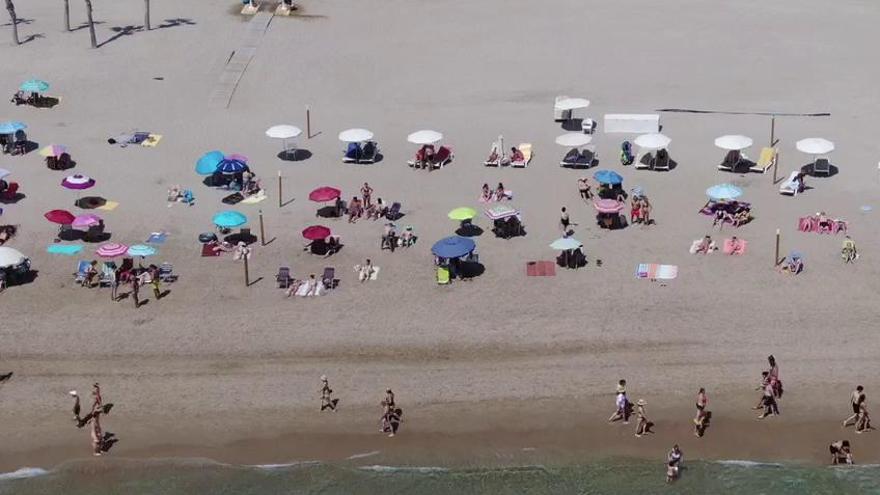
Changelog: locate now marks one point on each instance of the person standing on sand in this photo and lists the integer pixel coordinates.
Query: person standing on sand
(643, 425)
(700, 419)
(621, 404)
(856, 400)
(584, 189)
(565, 222)
(155, 282)
(135, 289)
(367, 193)
(327, 400)
(775, 382)
(771, 407)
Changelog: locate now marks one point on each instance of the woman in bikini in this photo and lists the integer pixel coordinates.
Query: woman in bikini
(700, 419)
(635, 214)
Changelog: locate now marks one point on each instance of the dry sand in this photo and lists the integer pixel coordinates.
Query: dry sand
(215, 362)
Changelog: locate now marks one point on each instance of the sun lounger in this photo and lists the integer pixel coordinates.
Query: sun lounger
(369, 152)
(821, 166)
(790, 185)
(352, 153)
(570, 159)
(766, 160)
(250, 8)
(393, 213)
(82, 267)
(661, 160)
(496, 156)
(645, 162)
(166, 272)
(730, 161)
(443, 157)
(329, 278)
(442, 275)
(107, 270)
(526, 150)
(586, 158)
(283, 277)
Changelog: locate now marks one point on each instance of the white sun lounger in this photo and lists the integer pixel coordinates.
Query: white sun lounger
(789, 186)
(526, 150)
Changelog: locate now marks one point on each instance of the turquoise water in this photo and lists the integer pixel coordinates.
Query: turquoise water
(610, 477)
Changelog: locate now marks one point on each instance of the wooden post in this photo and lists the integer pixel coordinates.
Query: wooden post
(772, 131)
(279, 190)
(308, 122)
(262, 230)
(247, 279)
(776, 256)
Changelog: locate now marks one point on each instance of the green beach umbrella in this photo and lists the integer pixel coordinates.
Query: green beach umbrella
(34, 86)
(462, 213)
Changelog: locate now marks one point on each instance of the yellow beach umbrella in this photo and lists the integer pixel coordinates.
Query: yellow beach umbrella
(462, 213)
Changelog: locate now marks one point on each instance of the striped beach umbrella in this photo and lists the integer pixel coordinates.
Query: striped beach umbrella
(55, 150)
(78, 181)
(112, 250)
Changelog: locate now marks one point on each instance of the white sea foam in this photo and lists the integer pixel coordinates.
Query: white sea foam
(25, 472)
(285, 465)
(402, 469)
(741, 463)
(364, 454)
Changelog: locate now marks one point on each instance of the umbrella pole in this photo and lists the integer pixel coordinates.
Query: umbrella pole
(247, 280)
(772, 131)
(279, 189)
(308, 122)
(776, 255)
(262, 230)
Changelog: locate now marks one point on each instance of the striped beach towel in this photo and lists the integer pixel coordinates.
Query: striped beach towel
(654, 271)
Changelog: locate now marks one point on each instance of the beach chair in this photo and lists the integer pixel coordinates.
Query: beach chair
(106, 276)
(586, 158)
(11, 192)
(442, 275)
(166, 272)
(570, 159)
(81, 268)
(626, 154)
(329, 278)
(789, 186)
(560, 115)
(766, 160)
(822, 166)
(369, 152)
(283, 277)
(661, 160)
(526, 150)
(393, 213)
(352, 153)
(496, 156)
(443, 157)
(730, 161)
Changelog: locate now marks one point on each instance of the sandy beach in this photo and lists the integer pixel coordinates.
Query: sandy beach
(484, 368)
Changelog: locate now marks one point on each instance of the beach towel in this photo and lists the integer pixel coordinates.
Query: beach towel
(540, 269)
(740, 248)
(254, 199)
(233, 199)
(304, 288)
(65, 249)
(108, 205)
(654, 271)
(208, 251)
(374, 275)
(157, 238)
(151, 140)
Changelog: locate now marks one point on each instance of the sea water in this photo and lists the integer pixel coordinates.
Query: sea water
(617, 476)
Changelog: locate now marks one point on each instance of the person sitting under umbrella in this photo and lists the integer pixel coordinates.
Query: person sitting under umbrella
(793, 264)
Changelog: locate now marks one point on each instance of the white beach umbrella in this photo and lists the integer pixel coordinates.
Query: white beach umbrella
(424, 137)
(10, 257)
(573, 139)
(355, 135)
(572, 103)
(815, 146)
(733, 142)
(654, 141)
(565, 243)
(4, 172)
(283, 132)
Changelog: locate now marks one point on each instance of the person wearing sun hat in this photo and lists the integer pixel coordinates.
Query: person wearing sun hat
(643, 426)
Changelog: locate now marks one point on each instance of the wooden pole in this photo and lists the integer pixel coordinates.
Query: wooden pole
(247, 279)
(776, 256)
(308, 122)
(772, 131)
(262, 230)
(279, 189)
(775, 168)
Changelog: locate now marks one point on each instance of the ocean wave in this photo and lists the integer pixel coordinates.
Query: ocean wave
(284, 465)
(25, 472)
(364, 454)
(404, 469)
(742, 463)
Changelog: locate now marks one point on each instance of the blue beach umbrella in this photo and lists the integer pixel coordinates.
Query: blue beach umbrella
(723, 192)
(608, 177)
(141, 250)
(453, 247)
(11, 127)
(229, 219)
(207, 164)
(34, 86)
(229, 165)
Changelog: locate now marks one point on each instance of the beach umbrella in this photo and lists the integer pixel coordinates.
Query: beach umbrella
(10, 257)
(453, 247)
(34, 86)
(733, 142)
(54, 150)
(207, 164)
(565, 243)
(498, 212)
(572, 103)
(723, 192)
(462, 213)
(655, 141)
(4, 173)
(86, 220)
(112, 250)
(283, 132)
(78, 181)
(141, 250)
(11, 127)
(796, 255)
(355, 135)
(229, 219)
(608, 206)
(574, 139)
(61, 217)
(815, 146)
(316, 232)
(232, 165)
(324, 194)
(424, 137)
(608, 177)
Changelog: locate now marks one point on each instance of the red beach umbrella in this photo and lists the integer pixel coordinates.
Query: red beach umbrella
(316, 232)
(62, 217)
(325, 193)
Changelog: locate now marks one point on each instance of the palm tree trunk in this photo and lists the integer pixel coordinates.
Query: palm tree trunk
(67, 15)
(14, 19)
(147, 15)
(91, 23)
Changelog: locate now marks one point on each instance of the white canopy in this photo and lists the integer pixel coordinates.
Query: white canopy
(355, 135)
(573, 139)
(815, 146)
(733, 142)
(283, 131)
(10, 257)
(572, 103)
(4, 172)
(424, 137)
(654, 141)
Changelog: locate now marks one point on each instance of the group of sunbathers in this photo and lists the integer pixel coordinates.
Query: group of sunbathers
(363, 206)
(311, 283)
(487, 195)
(392, 240)
(429, 158)
(640, 209)
(732, 212)
(499, 158)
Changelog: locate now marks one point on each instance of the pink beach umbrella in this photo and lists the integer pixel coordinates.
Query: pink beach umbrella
(86, 220)
(608, 206)
(78, 182)
(55, 150)
(316, 232)
(111, 250)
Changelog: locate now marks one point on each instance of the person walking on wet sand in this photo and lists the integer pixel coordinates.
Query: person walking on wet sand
(643, 425)
(856, 400)
(863, 421)
(775, 381)
(622, 404)
(702, 414)
(771, 407)
(673, 463)
(841, 452)
(327, 400)
(389, 398)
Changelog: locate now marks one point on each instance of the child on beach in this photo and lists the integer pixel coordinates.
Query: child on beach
(841, 452)
(673, 463)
